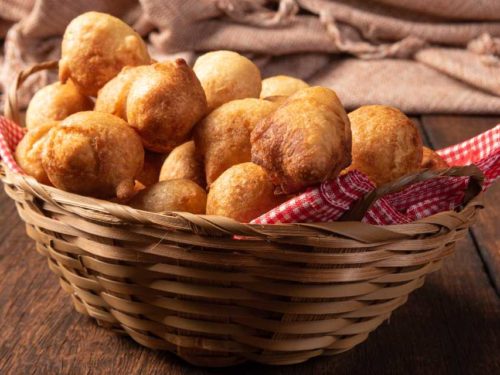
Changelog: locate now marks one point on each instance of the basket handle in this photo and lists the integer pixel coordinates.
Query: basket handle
(358, 211)
(11, 105)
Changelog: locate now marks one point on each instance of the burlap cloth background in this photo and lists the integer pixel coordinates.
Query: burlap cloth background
(424, 56)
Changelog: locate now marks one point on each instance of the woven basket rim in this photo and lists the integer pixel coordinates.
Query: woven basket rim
(348, 225)
(348, 271)
(115, 213)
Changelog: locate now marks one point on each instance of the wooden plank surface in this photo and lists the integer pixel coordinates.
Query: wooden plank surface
(445, 130)
(449, 326)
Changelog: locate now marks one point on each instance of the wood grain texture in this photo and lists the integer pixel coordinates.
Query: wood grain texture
(446, 130)
(450, 326)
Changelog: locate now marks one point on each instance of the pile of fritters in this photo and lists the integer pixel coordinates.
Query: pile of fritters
(214, 139)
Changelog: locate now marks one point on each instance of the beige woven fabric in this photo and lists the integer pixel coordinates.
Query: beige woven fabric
(424, 56)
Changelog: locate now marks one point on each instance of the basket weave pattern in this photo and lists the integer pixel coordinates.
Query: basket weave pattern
(217, 292)
(277, 294)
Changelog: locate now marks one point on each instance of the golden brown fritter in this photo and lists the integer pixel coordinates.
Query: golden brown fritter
(150, 173)
(164, 103)
(172, 195)
(243, 192)
(112, 98)
(432, 160)
(223, 137)
(55, 102)
(184, 162)
(93, 153)
(281, 86)
(226, 76)
(385, 143)
(29, 152)
(305, 141)
(278, 99)
(95, 48)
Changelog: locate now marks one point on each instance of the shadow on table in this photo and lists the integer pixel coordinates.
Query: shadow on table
(433, 332)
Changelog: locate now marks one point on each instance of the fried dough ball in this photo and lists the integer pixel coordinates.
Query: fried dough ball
(305, 141)
(112, 98)
(29, 151)
(95, 48)
(278, 99)
(223, 137)
(93, 153)
(183, 162)
(150, 173)
(432, 160)
(172, 195)
(243, 192)
(385, 143)
(226, 76)
(281, 86)
(164, 103)
(55, 102)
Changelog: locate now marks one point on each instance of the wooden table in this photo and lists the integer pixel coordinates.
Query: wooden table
(450, 326)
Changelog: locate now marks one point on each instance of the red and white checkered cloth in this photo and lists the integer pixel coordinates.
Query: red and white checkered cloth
(10, 135)
(330, 200)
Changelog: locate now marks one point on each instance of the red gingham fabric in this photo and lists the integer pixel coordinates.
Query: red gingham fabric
(472, 150)
(413, 203)
(483, 150)
(328, 201)
(418, 201)
(10, 135)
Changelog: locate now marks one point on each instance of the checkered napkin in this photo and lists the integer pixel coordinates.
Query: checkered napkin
(10, 135)
(330, 200)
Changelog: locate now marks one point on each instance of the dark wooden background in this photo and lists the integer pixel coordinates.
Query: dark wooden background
(449, 326)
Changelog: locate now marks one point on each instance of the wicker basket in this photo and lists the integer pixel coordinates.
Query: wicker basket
(278, 294)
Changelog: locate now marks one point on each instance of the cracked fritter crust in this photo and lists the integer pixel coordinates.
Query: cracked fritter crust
(95, 154)
(164, 103)
(305, 141)
(386, 144)
(55, 102)
(223, 137)
(95, 48)
(243, 192)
